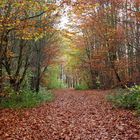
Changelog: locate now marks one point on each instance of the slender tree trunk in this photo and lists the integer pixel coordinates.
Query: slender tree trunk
(38, 80)
(1, 55)
(1, 79)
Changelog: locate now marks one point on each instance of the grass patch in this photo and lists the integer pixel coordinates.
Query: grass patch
(129, 98)
(26, 99)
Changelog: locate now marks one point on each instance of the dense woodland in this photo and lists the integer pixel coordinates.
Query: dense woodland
(99, 47)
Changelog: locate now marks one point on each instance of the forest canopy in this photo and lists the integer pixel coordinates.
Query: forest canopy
(91, 43)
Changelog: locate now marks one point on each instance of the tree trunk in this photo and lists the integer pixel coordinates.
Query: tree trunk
(1, 80)
(15, 85)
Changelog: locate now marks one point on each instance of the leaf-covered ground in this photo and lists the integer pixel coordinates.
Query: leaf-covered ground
(74, 115)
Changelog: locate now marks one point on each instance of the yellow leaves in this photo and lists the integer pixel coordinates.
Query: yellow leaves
(31, 33)
(97, 5)
(37, 36)
(17, 4)
(93, 6)
(25, 18)
(46, 8)
(68, 35)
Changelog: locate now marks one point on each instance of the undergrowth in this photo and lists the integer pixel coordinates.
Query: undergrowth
(81, 87)
(128, 98)
(25, 99)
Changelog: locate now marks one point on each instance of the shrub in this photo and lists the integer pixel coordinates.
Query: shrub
(129, 98)
(81, 87)
(26, 99)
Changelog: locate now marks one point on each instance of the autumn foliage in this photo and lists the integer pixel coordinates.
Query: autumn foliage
(24, 25)
(109, 34)
(100, 46)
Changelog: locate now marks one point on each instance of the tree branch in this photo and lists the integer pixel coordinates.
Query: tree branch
(35, 16)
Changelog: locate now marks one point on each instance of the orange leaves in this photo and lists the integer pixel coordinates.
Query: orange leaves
(9, 54)
(72, 115)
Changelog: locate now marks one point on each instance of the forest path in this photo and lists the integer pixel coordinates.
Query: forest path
(74, 115)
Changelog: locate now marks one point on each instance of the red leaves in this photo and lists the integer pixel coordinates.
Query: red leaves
(74, 115)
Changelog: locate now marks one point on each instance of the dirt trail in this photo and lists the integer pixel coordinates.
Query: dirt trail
(74, 115)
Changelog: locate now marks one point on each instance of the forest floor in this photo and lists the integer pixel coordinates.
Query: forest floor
(73, 115)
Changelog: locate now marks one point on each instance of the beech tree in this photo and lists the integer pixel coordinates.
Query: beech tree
(21, 23)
